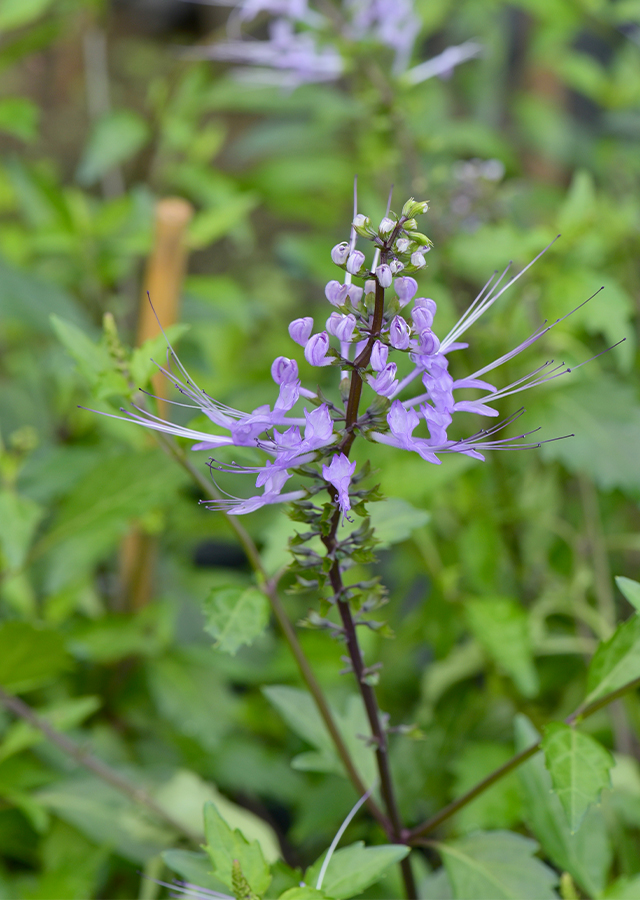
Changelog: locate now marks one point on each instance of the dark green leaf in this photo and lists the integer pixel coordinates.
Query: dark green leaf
(354, 868)
(29, 657)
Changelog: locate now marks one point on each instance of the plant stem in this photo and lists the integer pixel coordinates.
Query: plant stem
(582, 712)
(268, 587)
(378, 730)
(95, 765)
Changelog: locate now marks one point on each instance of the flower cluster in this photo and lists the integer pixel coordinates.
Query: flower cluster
(368, 323)
(302, 47)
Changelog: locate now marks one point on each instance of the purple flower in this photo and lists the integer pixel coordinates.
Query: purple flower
(341, 326)
(300, 330)
(384, 276)
(338, 473)
(340, 253)
(399, 333)
(385, 383)
(406, 289)
(336, 293)
(355, 262)
(379, 356)
(417, 259)
(284, 370)
(315, 351)
(423, 313)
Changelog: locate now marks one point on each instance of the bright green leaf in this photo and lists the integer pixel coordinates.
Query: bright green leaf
(212, 224)
(19, 117)
(235, 616)
(92, 359)
(224, 846)
(586, 855)
(630, 589)
(29, 657)
(502, 627)
(616, 661)
(145, 359)
(19, 518)
(116, 137)
(302, 893)
(499, 865)
(354, 868)
(623, 888)
(579, 768)
(578, 211)
(16, 13)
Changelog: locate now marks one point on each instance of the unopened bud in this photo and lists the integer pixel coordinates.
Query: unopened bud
(386, 226)
(384, 275)
(284, 370)
(417, 260)
(341, 326)
(336, 293)
(399, 333)
(406, 289)
(396, 266)
(315, 351)
(300, 329)
(340, 253)
(379, 356)
(355, 261)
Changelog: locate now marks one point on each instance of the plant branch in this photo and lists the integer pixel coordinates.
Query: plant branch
(268, 586)
(378, 730)
(95, 765)
(582, 712)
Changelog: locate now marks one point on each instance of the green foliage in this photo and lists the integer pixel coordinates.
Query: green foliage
(616, 661)
(501, 627)
(354, 868)
(235, 617)
(497, 864)
(30, 656)
(229, 850)
(579, 768)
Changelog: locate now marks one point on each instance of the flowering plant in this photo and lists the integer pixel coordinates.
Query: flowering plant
(375, 314)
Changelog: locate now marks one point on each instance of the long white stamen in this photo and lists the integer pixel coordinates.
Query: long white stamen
(335, 841)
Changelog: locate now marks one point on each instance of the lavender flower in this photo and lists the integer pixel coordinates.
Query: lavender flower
(308, 45)
(417, 419)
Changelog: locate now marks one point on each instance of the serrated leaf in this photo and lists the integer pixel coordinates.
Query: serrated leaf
(499, 865)
(587, 854)
(579, 768)
(354, 868)
(502, 627)
(224, 846)
(116, 137)
(630, 589)
(616, 661)
(235, 617)
(29, 657)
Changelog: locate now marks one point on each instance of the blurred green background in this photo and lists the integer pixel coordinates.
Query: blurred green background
(501, 574)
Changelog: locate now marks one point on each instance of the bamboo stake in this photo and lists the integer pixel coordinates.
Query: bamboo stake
(162, 283)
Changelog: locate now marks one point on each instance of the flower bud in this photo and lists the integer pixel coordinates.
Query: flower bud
(396, 266)
(402, 245)
(417, 260)
(385, 383)
(300, 329)
(340, 253)
(422, 317)
(379, 356)
(315, 351)
(386, 227)
(284, 370)
(384, 276)
(341, 326)
(362, 225)
(419, 238)
(355, 293)
(429, 343)
(336, 293)
(414, 207)
(370, 286)
(405, 288)
(399, 333)
(355, 262)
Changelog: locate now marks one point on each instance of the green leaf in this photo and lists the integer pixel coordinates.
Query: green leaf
(116, 137)
(630, 589)
(579, 768)
(19, 518)
(193, 867)
(91, 358)
(616, 661)
(604, 415)
(586, 855)
(235, 617)
(578, 211)
(212, 224)
(29, 657)
(299, 712)
(16, 13)
(19, 117)
(502, 627)
(145, 359)
(354, 868)
(394, 520)
(623, 888)
(302, 893)
(224, 846)
(498, 865)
